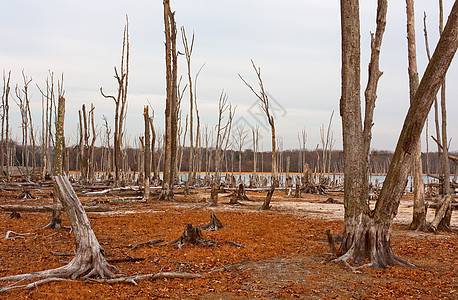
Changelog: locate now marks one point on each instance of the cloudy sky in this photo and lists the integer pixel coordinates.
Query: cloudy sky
(295, 42)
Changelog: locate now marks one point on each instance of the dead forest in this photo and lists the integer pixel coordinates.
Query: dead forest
(195, 210)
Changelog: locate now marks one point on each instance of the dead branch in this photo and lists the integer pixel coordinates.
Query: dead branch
(47, 208)
(133, 279)
(149, 243)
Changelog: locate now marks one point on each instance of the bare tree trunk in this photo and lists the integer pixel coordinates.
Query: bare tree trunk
(188, 53)
(5, 123)
(255, 154)
(371, 233)
(120, 103)
(419, 209)
(147, 154)
(56, 218)
(153, 156)
(262, 96)
(171, 103)
(444, 214)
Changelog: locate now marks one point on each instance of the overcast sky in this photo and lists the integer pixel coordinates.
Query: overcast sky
(295, 42)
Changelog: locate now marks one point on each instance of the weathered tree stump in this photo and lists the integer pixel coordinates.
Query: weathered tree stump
(214, 194)
(214, 224)
(270, 193)
(89, 260)
(192, 235)
(239, 194)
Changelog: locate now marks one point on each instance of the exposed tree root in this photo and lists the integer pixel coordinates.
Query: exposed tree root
(369, 241)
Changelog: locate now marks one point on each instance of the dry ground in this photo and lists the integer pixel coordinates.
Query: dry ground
(283, 254)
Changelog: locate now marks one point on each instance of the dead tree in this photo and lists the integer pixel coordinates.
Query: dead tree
(56, 218)
(188, 52)
(171, 103)
(89, 260)
(86, 147)
(265, 106)
(239, 140)
(22, 96)
(444, 214)
(419, 209)
(108, 161)
(327, 142)
(5, 125)
(153, 147)
(223, 131)
(120, 101)
(48, 111)
(367, 233)
(147, 154)
(302, 137)
(255, 131)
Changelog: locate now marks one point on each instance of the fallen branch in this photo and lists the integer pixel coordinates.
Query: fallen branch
(149, 243)
(133, 279)
(31, 285)
(47, 208)
(19, 235)
(235, 244)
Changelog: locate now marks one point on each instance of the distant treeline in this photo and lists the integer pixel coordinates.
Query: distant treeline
(379, 160)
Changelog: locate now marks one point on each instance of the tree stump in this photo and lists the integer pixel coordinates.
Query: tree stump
(239, 194)
(214, 194)
(192, 235)
(214, 224)
(297, 193)
(270, 193)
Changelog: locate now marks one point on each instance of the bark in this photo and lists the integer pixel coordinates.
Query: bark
(419, 209)
(171, 112)
(5, 124)
(56, 218)
(147, 153)
(214, 194)
(434, 75)
(367, 233)
(270, 193)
